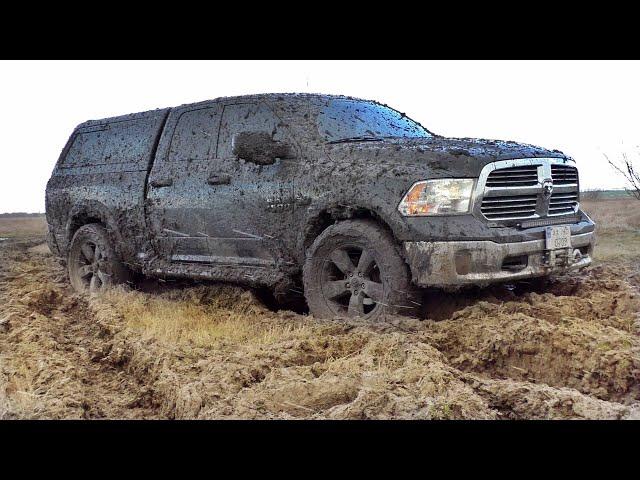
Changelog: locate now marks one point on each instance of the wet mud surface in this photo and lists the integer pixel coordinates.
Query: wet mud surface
(568, 350)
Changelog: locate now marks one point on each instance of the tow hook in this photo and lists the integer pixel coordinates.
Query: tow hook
(577, 255)
(562, 258)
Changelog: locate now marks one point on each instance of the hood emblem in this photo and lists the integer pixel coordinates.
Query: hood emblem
(547, 188)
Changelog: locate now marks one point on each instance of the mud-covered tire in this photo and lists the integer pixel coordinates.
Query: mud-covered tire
(373, 259)
(93, 263)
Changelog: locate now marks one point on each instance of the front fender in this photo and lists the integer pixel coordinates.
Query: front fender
(324, 213)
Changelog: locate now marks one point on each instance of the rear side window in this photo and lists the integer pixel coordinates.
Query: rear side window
(86, 149)
(245, 117)
(196, 135)
(128, 141)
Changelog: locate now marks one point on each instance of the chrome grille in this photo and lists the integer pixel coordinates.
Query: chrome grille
(561, 203)
(513, 190)
(515, 206)
(513, 176)
(564, 174)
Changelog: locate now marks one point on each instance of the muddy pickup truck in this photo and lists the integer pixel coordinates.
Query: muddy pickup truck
(350, 198)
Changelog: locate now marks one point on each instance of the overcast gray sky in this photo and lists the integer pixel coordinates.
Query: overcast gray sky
(585, 109)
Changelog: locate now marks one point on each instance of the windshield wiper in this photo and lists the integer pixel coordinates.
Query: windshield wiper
(357, 139)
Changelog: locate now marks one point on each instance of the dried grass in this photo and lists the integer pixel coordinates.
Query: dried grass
(11, 227)
(215, 351)
(201, 316)
(618, 215)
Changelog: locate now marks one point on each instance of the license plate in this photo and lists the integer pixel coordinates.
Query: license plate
(558, 237)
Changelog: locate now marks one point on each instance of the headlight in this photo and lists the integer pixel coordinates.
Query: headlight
(438, 197)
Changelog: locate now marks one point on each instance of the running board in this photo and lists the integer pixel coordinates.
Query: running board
(219, 260)
(252, 275)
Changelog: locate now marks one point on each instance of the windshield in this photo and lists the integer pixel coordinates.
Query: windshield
(344, 119)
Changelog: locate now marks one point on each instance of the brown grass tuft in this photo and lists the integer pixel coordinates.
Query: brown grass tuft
(202, 316)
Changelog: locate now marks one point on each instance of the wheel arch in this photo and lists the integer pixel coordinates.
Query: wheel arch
(92, 212)
(329, 215)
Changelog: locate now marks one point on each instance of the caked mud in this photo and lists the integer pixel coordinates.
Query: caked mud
(567, 350)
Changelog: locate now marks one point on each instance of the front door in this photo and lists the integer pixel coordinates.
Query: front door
(255, 202)
(207, 206)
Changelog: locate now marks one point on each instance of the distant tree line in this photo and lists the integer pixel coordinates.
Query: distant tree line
(20, 214)
(603, 194)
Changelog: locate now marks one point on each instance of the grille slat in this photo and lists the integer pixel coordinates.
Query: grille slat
(508, 216)
(511, 182)
(512, 176)
(510, 172)
(498, 203)
(510, 198)
(527, 211)
(562, 196)
(511, 205)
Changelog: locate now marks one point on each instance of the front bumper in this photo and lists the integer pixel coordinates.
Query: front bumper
(482, 262)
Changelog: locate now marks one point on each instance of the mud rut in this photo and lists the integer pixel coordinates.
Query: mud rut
(73, 380)
(570, 350)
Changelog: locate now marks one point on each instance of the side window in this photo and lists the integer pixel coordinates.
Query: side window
(127, 141)
(196, 135)
(130, 141)
(245, 117)
(86, 149)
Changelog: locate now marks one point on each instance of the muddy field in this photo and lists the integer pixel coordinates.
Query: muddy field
(570, 349)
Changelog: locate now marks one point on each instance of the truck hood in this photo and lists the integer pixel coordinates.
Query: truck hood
(440, 156)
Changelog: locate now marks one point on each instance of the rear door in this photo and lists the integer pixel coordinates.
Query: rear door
(179, 204)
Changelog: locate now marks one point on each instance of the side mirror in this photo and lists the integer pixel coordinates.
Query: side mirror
(259, 147)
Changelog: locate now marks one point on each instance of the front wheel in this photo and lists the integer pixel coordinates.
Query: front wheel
(93, 263)
(354, 269)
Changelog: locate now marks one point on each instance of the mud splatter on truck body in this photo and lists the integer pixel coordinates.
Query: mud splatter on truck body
(101, 176)
(240, 188)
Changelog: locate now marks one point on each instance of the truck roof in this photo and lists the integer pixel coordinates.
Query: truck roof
(269, 97)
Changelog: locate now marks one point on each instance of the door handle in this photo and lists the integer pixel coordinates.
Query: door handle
(219, 179)
(161, 182)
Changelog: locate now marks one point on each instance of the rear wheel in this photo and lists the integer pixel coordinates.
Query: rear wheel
(354, 269)
(93, 263)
